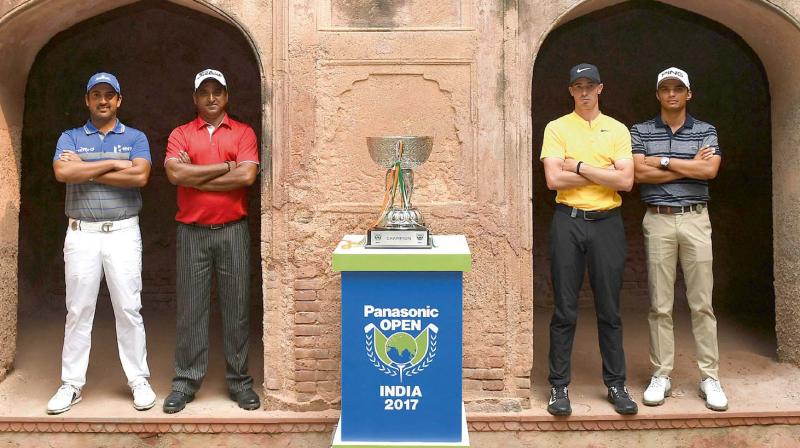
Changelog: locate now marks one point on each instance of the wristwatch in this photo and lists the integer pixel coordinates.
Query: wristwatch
(664, 163)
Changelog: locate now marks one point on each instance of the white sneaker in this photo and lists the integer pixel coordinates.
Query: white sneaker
(711, 391)
(660, 387)
(143, 396)
(64, 398)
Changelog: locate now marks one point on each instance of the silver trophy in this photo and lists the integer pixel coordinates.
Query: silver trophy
(399, 225)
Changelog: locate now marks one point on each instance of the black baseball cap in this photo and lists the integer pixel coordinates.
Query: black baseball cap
(584, 71)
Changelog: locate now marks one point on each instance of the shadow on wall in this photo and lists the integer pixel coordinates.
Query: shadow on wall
(631, 43)
(155, 48)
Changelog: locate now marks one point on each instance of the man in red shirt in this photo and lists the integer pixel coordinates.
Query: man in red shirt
(212, 159)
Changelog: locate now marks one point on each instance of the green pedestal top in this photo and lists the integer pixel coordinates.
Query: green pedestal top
(449, 253)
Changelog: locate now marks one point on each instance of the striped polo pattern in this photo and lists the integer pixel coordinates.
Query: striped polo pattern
(92, 201)
(655, 138)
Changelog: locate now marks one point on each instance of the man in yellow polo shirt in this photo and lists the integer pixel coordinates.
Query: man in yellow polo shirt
(587, 160)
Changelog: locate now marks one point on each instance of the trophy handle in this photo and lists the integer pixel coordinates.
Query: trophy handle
(387, 178)
(398, 150)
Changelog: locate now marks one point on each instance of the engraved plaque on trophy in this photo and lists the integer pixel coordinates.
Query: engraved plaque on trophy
(399, 225)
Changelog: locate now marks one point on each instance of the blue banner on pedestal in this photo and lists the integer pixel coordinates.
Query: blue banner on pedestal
(401, 356)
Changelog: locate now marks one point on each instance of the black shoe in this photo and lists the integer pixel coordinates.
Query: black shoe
(246, 399)
(559, 401)
(176, 401)
(622, 401)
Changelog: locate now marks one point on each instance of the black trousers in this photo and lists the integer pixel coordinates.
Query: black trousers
(575, 243)
(201, 253)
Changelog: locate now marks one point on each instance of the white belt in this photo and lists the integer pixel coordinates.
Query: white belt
(102, 226)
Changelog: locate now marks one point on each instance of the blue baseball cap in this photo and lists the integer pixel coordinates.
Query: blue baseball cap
(103, 77)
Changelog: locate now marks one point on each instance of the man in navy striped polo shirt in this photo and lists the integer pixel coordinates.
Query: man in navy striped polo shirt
(103, 164)
(675, 156)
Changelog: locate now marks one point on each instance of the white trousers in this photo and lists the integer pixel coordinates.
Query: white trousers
(88, 255)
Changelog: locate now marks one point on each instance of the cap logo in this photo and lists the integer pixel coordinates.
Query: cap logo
(674, 73)
(583, 69)
(209, 73)
(102, 77)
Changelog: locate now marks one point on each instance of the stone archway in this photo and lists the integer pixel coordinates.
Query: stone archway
(25, 27)
(156, 71)
(631, 42)
(771, 30)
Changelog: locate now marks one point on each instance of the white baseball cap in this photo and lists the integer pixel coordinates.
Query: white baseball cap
(209, 73)
(673, 73)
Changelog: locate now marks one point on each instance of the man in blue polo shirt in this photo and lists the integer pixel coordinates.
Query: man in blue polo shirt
(675, 156)
(103, 163)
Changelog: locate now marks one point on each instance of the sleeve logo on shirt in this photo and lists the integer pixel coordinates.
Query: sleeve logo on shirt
(84, 149)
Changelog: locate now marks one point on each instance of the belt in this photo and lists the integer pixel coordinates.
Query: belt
(675, 210)
(102, 226)
(215, 226)
(587, 215)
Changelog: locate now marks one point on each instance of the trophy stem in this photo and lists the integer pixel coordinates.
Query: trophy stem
(389, 193)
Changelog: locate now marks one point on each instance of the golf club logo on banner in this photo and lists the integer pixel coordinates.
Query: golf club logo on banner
(398, 346)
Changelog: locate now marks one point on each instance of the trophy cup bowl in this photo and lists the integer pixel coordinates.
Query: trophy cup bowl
(416, 151)
(399, 226)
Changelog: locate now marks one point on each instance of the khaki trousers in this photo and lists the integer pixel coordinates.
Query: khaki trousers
(685, 238)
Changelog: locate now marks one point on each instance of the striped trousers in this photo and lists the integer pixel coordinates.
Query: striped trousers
(202, 252)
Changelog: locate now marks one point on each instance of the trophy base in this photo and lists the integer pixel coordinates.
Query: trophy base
(414, 238)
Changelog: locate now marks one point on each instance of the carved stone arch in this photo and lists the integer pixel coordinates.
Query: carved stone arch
(25, 28)
(771, 29)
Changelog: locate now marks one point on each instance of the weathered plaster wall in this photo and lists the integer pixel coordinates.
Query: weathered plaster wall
(9, 216)
(420, 70)
(332, 73)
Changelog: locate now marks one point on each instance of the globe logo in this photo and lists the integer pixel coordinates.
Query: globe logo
(400, 354)
(401, 348)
